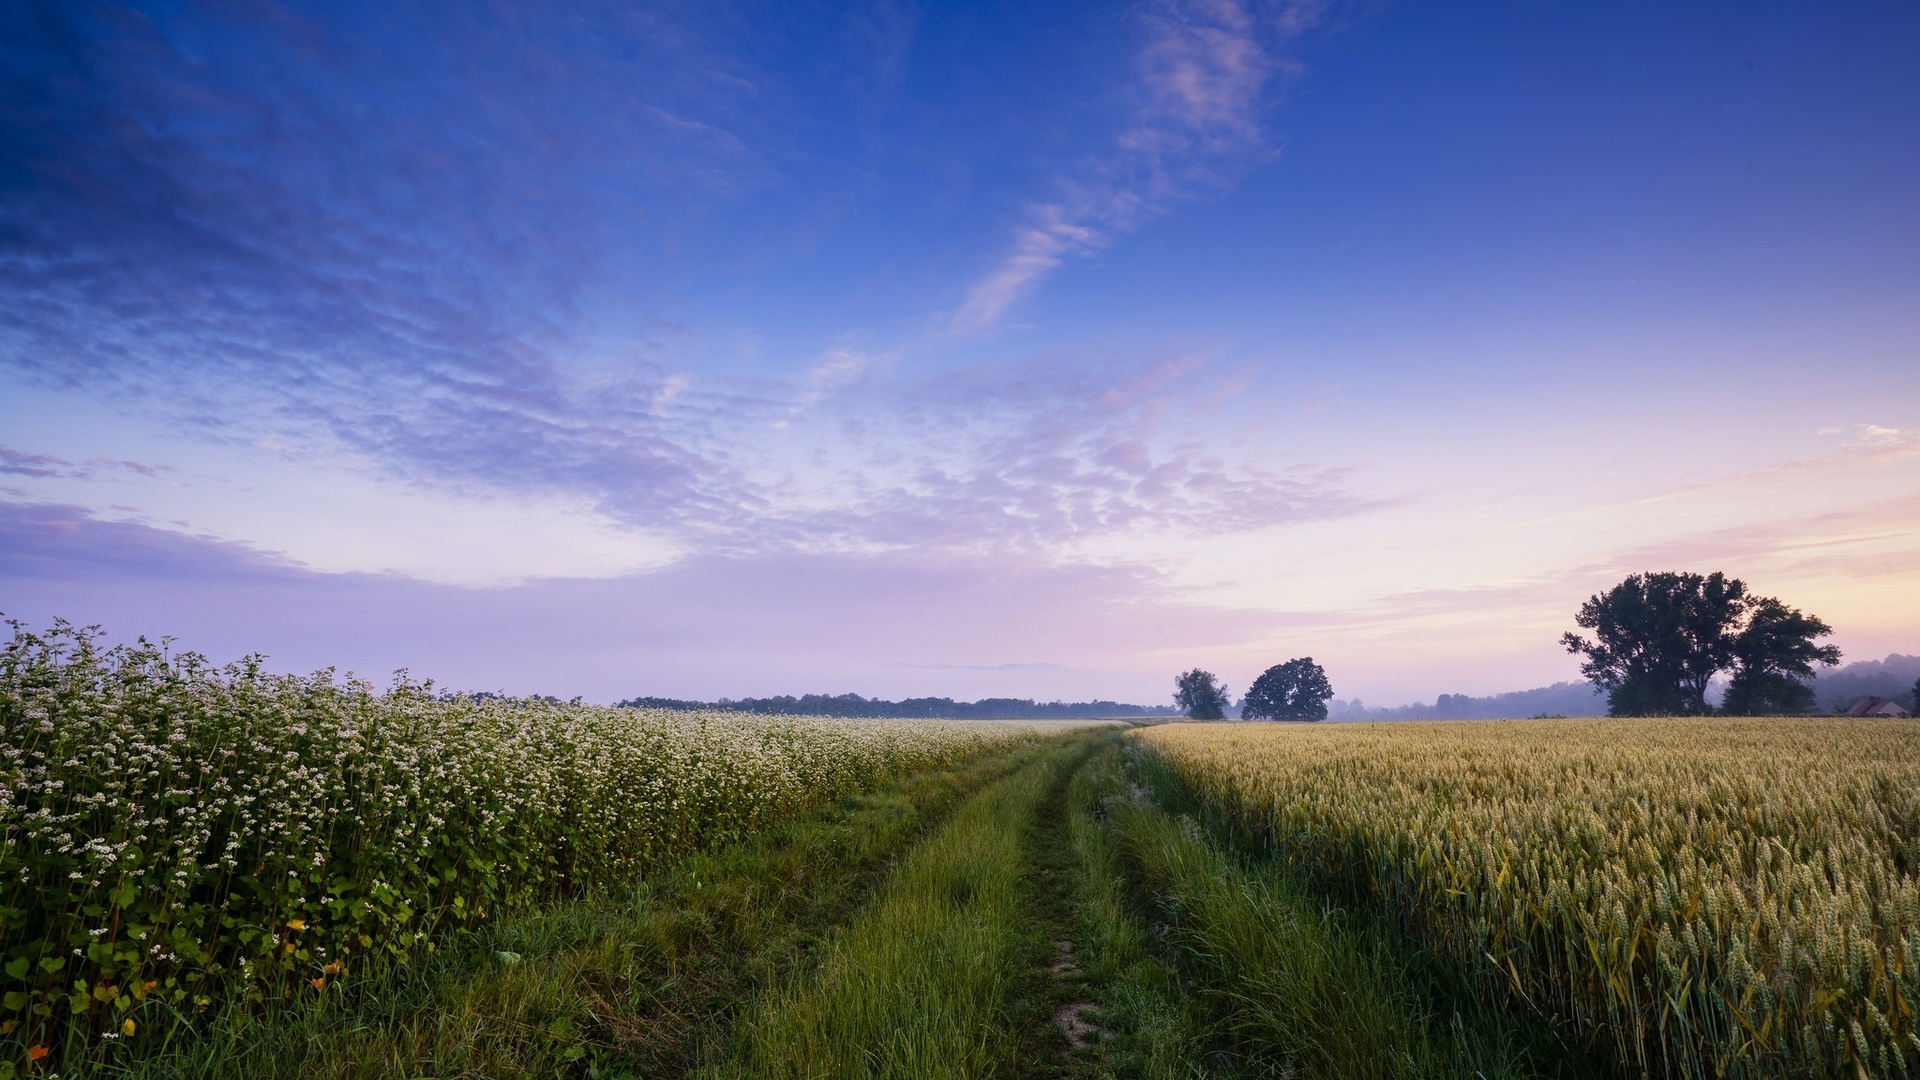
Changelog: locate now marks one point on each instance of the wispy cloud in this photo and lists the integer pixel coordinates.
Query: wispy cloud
(48, 466)
(302, 247)
(18, 463)
(1047, 456)
(838, 367)
(1055, 233)
(1203, 73)
(276, 234)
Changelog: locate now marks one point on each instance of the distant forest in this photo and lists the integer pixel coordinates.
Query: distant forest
(911, 708)
(1892, 678)
(1560, 699)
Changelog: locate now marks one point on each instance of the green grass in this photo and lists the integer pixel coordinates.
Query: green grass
(1290, 984)
(930, 982)
(631, 988)
(1148, 1025)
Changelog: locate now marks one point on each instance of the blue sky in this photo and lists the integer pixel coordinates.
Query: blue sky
(727, 349)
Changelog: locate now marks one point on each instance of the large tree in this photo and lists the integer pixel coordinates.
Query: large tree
(1200, 695)
(1295, 690)
(1658, 639)
(1771, 654)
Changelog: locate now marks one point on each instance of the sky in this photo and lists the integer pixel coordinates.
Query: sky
(725, 349)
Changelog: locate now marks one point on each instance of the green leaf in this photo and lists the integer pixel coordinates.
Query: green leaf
(17, 968)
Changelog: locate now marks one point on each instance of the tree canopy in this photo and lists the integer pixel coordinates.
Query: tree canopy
(1659, 639)
(1295, 690)
(1771, 654)
(1200, 695)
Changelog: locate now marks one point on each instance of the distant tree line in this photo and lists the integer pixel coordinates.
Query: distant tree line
(1897, 679)
(1560, 699)
(934, 708)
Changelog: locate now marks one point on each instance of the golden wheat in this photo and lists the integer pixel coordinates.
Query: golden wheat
(1704, 897)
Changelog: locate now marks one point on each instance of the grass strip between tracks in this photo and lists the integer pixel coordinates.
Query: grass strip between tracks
(943, 978)
(633, 988)
(1145, 1025)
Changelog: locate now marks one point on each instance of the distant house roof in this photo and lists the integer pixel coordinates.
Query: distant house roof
(1875, 706)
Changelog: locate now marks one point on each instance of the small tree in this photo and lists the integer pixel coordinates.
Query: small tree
(1295, 690)
(1200, 696)
(1771, 654)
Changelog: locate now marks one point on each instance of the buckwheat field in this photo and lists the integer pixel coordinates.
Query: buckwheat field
(179, 838)
(1692, 897)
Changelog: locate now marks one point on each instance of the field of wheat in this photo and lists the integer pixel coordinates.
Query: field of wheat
(176, 838)
(1699, 897)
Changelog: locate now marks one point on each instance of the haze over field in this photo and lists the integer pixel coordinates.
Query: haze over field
(726, 350)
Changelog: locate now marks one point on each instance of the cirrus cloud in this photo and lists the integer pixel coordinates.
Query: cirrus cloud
(1203, 73)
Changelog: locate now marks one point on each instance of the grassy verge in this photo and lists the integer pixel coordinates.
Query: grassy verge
(1252, 974)
(606, 989)
(941, 977)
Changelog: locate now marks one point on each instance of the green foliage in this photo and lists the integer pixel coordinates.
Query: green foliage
(636, 983)
(179, 839)
(1771, 654)
(920, 984)
(1658, 639)
(1200, 696)
(1295, 690)
(1153, 1028)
